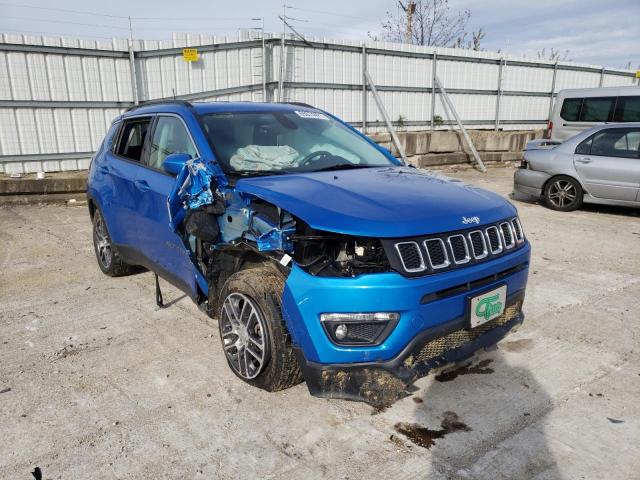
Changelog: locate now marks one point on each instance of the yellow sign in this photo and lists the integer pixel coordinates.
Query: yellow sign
(637, 73)
(190, 54)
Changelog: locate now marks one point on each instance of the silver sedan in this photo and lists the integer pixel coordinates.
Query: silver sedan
(600, 165)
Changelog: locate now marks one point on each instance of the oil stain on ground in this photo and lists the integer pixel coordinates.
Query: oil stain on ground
(426, 437)
(479, 368)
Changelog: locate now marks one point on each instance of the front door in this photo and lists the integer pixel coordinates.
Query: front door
(165, 249)
(608, 164)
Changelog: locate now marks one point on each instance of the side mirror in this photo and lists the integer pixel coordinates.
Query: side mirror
(173, 163)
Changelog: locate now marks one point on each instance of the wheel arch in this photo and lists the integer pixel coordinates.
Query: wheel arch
(554, 176)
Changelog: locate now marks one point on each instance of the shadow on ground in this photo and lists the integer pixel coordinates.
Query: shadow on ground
(484, 420)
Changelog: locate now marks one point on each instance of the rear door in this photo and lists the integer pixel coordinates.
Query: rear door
(165, 249)
(608, 163)
(122, 167)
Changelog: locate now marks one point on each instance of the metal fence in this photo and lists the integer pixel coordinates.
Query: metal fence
(58, 96)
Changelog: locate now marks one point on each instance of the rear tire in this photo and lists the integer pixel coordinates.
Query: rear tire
(108, 259)
(254, 337)
(563, 193)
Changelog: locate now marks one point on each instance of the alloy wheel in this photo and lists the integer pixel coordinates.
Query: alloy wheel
(103, 245)
(243, 335)
(562, 193)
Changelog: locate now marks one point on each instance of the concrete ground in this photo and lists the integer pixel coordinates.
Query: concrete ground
(97, 382)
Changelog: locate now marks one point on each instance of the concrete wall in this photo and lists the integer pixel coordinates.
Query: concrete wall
(433, 148)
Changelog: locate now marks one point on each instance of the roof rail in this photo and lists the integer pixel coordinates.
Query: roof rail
(299, 104)
(159, 102)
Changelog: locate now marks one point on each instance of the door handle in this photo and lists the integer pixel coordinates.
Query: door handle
(584, 160)
(142, 185)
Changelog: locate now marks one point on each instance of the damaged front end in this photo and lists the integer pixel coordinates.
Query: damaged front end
(360, 330)
(382, 383)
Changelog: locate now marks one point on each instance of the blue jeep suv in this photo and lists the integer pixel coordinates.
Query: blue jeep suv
(322, 256)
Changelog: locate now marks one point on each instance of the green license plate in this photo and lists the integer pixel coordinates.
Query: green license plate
(488, 306)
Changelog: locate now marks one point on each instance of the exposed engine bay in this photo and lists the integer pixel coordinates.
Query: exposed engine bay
(223, 230)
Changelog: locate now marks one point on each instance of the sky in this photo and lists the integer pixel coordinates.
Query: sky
(594, 32)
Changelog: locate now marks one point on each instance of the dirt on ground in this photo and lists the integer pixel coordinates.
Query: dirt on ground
(97, 382)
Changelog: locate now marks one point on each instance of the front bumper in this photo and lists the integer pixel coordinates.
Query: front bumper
(430, 307)
(382, 383)
(529, 182)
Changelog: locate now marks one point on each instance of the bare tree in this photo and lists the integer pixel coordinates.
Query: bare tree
(474, 43)
(433, 23)
(554, 55)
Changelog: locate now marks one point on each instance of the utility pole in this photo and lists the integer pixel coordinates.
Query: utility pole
(132, 66)
(283, 60)
(410, 10)
(264, 60)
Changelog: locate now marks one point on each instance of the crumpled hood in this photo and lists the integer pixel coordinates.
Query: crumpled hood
(384, 202)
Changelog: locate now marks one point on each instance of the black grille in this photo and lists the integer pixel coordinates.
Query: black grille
(437, 253)
(364, 332)
(517, 228)
(416, 256)
(494, 239)
(458, 338)
(459, 248)
(410, 255)
(477, 244)
(507, 235)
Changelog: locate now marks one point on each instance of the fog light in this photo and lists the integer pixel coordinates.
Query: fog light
(341, 331)
(359, 328)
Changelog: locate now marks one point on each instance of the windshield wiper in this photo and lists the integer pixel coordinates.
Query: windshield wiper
(342, 166)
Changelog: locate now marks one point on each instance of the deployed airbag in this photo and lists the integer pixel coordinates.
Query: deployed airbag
(260, 158)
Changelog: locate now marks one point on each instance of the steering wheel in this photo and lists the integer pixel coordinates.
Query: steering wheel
(313, 155)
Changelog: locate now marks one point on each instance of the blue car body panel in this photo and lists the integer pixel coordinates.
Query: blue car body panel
(386, 202)
(381, 202)
(306, 297)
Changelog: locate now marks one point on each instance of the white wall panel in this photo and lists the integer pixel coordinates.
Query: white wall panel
(5, 79)
(47, 130)
(38, 76)
(9, 140)
(60, 77)
(28, 133)
(19, 76)
(526, 79)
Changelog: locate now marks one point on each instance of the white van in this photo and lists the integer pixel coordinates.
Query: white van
(579, 109)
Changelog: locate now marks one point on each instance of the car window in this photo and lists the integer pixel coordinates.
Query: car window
(616, 143)
(585, 147)
(629, 141)
(571, 109)
(169, 136)
(132, 138)
(596, 109)
(627, 109)
(302, 140)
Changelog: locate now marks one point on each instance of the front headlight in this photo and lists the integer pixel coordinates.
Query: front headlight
(359, 328)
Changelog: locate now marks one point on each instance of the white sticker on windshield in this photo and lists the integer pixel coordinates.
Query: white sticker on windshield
(314, 115)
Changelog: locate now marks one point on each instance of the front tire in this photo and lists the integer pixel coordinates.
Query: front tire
(253, 334)
(563, 193)
(108, 259)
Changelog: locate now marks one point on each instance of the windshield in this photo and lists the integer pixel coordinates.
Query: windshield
(286, 142)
